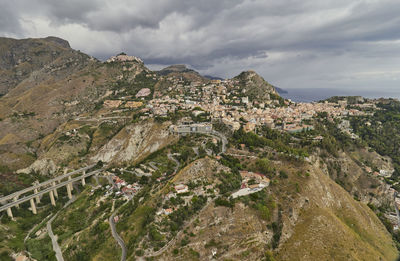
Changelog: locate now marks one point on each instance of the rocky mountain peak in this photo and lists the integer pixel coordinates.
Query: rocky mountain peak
(255, 85)
(59, 41)
(176, 68)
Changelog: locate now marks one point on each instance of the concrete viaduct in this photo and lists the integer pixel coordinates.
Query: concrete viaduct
(49, 186)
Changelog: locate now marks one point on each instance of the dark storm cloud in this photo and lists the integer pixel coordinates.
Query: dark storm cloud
(120, 16)
(9, 23)
(290, 42)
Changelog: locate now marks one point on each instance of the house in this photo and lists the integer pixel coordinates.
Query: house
(165, 211)
(181, 188)
(170, 195)
(197, 113)
(249, 126)
(112, 103)
(133, 104)
(247, 175)
(119, 182)
(168, 211)
(128, 191)
(385, 173)
(318, 138)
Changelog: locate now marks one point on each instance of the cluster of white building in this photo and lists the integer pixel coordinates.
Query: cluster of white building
(226, 101)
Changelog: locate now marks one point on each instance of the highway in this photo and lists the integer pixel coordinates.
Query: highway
(47, 190)
(45, 183)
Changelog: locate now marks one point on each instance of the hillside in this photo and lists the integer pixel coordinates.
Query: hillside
(255, 86)
(19, 58)
(180, 70)
(69, 84)
(189, 168)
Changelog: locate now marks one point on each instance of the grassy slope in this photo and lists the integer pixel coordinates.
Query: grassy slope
(334, 225)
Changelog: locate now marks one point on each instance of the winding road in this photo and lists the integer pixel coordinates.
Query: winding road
(56, 246)
(117, 237)
(223, 139)
(54, 242)
(178, 164)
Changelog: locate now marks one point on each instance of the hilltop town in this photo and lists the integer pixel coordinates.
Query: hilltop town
(228, 102)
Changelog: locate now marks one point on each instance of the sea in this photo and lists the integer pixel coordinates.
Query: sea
(318, 94)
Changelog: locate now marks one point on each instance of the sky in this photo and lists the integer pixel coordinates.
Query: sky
(330, 44)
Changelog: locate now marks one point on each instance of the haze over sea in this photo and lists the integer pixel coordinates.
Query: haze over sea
(317, 94)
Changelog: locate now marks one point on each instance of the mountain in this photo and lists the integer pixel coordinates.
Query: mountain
(233, 194)
(177, 68)
(255, 87)
(181, 70)
(213, 77)
(280, 91)
(57, 84)
(19, 58)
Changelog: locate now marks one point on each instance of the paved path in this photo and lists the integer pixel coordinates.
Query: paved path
(117, 237)
(56, 247)
(245, 191)
(30, 231)
(153, 165)
(54, 242)
(241, 155)
(223, 139)
(178, 164)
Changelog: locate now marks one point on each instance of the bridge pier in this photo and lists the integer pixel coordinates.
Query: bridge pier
(55, 190)
(15, 199)
(69, 191)
(33, 206)
(37, 197)
(9, 213)
(70, 184)
(83, 179)
(53, 202)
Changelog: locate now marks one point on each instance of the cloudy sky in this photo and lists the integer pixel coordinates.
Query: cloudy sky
(343, 44)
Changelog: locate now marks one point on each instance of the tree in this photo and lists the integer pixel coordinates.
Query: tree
(263, 165)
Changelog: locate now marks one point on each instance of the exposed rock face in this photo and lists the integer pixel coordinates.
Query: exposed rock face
(255, 86)
(43, 166)
(44, 83)
(19, 58)
(135, 142)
